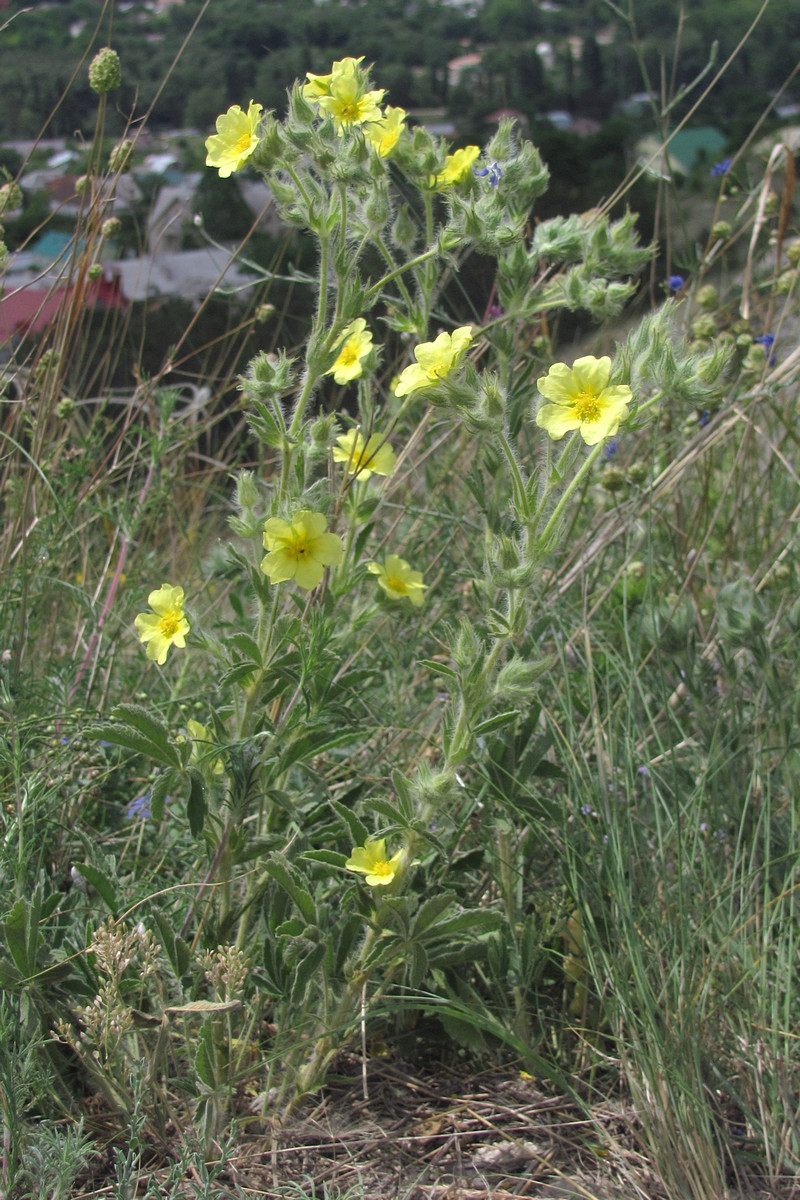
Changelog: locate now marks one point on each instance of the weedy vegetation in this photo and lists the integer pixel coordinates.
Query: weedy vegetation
(418, 685)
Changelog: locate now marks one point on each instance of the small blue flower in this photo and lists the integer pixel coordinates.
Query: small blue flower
(704, 418)
(766, 340)
(721, 168)
(611, 449)
(676, 282)
(493, 171)
(140, 807)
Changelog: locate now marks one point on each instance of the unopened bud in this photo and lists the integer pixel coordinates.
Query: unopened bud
(105, 72)
(111, 227)
(119, 160)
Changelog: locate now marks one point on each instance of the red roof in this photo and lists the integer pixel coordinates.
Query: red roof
(30, 310)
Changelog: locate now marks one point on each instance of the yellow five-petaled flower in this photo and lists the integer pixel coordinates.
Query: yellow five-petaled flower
(435, 360)
(370, 860)
(373, 457)
(456, 167)
(300, 549)
(235, 140)
(356, 345)
(580, 398)
(166, 625)
(398, 580)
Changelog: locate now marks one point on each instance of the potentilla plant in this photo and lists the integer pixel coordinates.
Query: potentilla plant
(373, 638)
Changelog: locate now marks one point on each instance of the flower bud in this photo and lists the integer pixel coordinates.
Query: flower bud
(704, 328)
(65, 407)
(111, 227)
(786, 283)
(637, 474)
(708, 297)
(721, 230)
(793, 252)
(119, 160)
(95, 271)
(10, 197)
(105, 72)
(613, 479)
(83, 185)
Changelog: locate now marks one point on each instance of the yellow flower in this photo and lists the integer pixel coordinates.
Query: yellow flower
(456, 167)
(398, 580)
(580, 398)
(385, 134)
(165, 625)
(435, 360)
(373, 457)
(301, 550)
(357, 345)
(235, 140)
(370, 860)
(320, 85)
(347, 100)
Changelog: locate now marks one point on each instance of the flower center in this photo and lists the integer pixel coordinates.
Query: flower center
(242, 144)
(396, 583)
(438, 371)
(382, 868)
(298, 548)
(347, 355)
(169, 623)
(587, 406)
(349, 111)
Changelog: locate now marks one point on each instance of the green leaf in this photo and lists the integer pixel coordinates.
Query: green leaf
(159, 791)
(293, 885)
(140, 718)
(357, 829)
(419, 965)
(247, 646)
(204, 1065)
(294, 927)
(473, 921)
(438, 667)
(196, 804)
(304, 972)
(16, 931)
(132, 739)
(101, 883)
(330, 858)
(430, 910)
(496, 722)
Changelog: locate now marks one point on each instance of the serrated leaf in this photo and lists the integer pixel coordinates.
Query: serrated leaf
(330, 858)
(101, 883)
(357, 829)
(246, 645)
(282, 874)
(138, 717)
(304, 972)
(132, 739)
(241, 672)
(430, 910)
